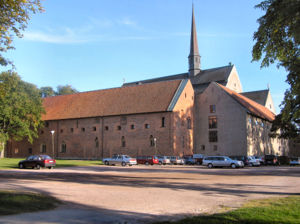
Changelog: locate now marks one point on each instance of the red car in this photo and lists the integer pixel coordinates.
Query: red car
(37, 161)
(147, 160)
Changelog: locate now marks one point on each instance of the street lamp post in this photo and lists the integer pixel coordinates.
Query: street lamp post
(155, 145)
(52, 133)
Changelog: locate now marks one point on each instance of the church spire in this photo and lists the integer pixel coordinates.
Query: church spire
(194, 57)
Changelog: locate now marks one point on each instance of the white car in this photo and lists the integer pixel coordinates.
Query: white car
(120, 159)
(252, 161)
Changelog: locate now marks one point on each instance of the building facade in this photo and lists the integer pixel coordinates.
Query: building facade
(201, 111)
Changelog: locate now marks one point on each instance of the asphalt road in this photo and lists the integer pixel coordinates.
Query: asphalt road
(142, 194)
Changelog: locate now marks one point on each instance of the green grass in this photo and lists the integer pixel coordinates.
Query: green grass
(12, 202)
(275, 210)
(12, 163)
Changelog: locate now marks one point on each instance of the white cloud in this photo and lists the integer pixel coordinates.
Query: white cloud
(127, 21)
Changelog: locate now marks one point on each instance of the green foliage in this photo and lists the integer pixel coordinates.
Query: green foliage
(278, 39)
(14, 17)
(264, 211)
(47, 91)
(12, 202)
(61, 90)
(67, 89)
(20, 108)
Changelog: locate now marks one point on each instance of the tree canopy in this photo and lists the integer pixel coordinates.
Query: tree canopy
(20, 108)
(277, 40)
(14, 17)
(61, 90)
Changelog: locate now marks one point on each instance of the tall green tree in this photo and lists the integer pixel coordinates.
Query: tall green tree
(14, 16)
(20, 108)
(277, 41)
(67, 89)
(47, 91)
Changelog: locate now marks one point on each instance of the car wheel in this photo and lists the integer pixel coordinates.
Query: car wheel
(21, 166)
(233, 166)
(123, 164)
(38, 166)
(50, 167)
(146, 163)
(106, 163)
(210, 165)
(251, 164)
(160, 163)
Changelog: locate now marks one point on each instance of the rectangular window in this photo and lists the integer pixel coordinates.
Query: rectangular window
(132, 126)
(61, 130)
(203, 147)
(212, 108)
(163, 122)
(72, 130)
(213, 136)
(147, 126)
(106, 128)
(119, 127)
(94, 129)
(189, 123)
(215, 147)
(212, 122)
(83, 129)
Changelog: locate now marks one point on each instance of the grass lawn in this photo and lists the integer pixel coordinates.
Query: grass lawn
(11, 163)
(12, 202)
(275, 210)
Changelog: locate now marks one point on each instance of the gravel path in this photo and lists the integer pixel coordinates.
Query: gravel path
(141, 194)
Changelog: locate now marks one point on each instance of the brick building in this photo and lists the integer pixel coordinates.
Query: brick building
(201, 111)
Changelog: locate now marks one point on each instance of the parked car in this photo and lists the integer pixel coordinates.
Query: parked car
(198, 158)
(147, 160)
(245, 159)
(189, 160)
(295, 161)
(163, 160)
(37, 161)
(252, 161)
(271, 160)
(120, 159)
(260, 159)
(221, 161)
(177, 160)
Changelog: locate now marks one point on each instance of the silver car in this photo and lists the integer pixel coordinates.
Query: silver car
(163, 160)
(177, 160)
(120, 159)
(221, 161)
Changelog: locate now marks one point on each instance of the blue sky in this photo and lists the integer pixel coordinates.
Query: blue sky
(97, 44)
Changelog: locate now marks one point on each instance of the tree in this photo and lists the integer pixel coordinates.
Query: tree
(67, 89)
(277, 40)
(47, 91)
(14, 17)
(20, 108)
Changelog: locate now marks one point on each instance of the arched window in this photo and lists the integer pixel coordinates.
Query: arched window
(43, 148)
(152, 141)
(63, 147)
(123, 142)
(189, 123)
(96, 142)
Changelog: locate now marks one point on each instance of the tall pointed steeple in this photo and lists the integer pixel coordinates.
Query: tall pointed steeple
(194, 57)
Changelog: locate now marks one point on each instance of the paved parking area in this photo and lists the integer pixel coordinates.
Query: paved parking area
(139, 194)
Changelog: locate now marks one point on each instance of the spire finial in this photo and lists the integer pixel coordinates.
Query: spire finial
(194, 57)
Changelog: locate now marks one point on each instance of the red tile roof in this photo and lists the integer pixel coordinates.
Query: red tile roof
(147, 98)
(253, 107)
